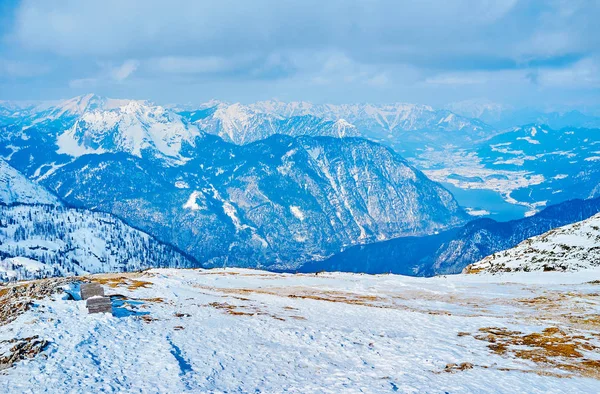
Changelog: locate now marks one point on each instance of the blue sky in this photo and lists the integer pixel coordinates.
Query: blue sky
(519, 53)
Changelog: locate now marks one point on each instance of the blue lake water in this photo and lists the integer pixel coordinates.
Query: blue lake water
(489, 200)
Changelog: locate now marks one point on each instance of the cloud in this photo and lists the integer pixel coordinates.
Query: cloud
(378, 80)
(366, 49)
(106, 74)
(428, 33)
(123, 71)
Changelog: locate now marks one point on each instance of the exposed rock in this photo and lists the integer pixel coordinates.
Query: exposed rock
(21, 349)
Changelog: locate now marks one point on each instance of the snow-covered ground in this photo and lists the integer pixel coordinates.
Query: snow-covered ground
(251, 331)
(569, 248)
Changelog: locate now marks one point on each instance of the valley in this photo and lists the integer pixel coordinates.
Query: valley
(299, 197)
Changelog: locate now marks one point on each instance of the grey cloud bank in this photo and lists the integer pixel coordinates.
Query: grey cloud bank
(528, 53)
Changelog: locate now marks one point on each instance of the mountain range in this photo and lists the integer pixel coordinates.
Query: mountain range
(276, 202)
(287, 186)
(478, 162)
(503, 116)
(242, 124)
(475, 157)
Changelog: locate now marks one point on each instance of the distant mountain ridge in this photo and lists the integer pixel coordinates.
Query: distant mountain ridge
(451, 251)
(503, 116)
(243, 124)
(92, 124)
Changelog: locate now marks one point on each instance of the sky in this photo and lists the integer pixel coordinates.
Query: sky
(520, 53)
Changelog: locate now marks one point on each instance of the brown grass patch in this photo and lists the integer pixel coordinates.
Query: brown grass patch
(309, 293)
(385, 301)
(136, 284)
(346, 298)
(122, 281)
(233, 273)
(550, 348)
(154, 299)
(473, 270)
(577, 310)
(112, 282)
(241, 310)
(589, 321)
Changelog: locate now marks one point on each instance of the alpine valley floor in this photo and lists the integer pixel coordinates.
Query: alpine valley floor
(241, 331)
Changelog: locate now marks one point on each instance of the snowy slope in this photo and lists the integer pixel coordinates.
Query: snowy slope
(40, 238)
(40, 241)
(569, 248)
(15, 188)
(241, 331)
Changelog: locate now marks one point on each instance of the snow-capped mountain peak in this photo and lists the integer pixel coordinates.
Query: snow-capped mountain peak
(94, 124)
(80, 104)
(344, 128)
(76, 106)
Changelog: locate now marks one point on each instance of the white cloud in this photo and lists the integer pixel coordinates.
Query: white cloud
(123, 71)
(417, 30)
